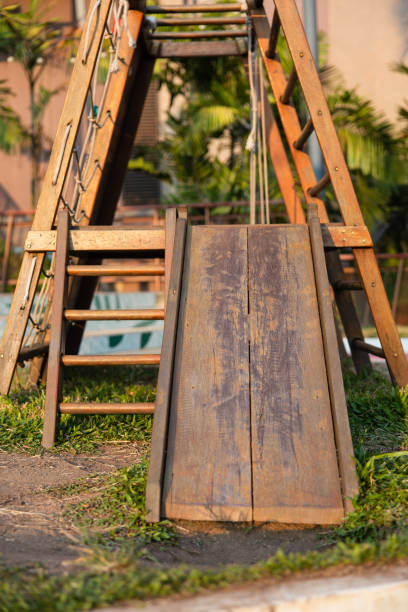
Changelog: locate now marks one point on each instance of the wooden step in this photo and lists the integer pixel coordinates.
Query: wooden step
(106, 408)
(141, 314)
(116, 270)
(105, 360)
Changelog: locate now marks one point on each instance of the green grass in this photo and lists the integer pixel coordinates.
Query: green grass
(21, 412)
(110, 513)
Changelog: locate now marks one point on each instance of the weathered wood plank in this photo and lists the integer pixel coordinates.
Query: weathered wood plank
(208, 466)
(57, 333)
(344, 444)
(99, 240)
(295, 472)
(178, 50)
(342, 236)
(165, 380)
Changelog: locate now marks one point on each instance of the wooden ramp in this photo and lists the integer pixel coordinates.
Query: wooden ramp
(246, 425)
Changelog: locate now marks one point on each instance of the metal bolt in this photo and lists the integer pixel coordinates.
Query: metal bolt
(395, 354)
(319, 112)
(336, 168)
(28, 244)
(373, 284)
(301, 54)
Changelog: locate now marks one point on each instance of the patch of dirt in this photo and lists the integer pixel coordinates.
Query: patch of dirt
(33, 529)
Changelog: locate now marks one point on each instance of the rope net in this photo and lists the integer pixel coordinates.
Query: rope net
(83, 167)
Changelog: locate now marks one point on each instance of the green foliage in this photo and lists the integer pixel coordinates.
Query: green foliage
(10, 126)
(31, 40)
(378, 416)
(114, 506)
(21, 413)
(124, 578)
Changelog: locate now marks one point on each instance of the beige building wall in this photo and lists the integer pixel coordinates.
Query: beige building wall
(366, 37)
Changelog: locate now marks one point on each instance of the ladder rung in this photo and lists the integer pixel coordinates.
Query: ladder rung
(204, 8)
(106, 360)
(368, 348)
(201, 34)
(115, 270)
(347, 285)
(200, 21)
(273, 35)
(316, 189)
(304, 135)
(290, 86)
(141, 314)
(102, 408)
(33, 351)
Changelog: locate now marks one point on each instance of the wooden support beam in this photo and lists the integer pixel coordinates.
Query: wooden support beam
(33, 351)
(346, 236)
(164, 383)
(273, 36)
(179, 50)
(57, 335)
(368, 348)
(344, 444)
(346, 285)
(99, 240)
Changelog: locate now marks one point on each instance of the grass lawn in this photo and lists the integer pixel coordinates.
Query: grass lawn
(111, 519)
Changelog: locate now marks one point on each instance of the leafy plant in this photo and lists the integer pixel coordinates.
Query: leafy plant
(32, 40)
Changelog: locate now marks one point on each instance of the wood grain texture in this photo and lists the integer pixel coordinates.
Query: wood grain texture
(344, 444)
(98, 240)
(208, 467)
(295, 472)
(165, 380)
(57, 332)
(342, 236)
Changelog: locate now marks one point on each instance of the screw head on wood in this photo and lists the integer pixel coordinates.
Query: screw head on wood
(373, 284)
(301, 54)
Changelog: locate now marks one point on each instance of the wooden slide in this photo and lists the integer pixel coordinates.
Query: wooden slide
(250, 421)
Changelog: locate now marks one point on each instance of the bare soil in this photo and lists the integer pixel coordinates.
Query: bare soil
(33, 528)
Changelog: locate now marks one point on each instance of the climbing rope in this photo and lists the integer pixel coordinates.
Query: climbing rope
(256, 142)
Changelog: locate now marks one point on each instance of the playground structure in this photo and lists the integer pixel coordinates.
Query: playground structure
(250, 418)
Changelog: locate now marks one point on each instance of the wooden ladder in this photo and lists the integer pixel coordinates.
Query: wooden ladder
(287, 19)
(129, 242)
